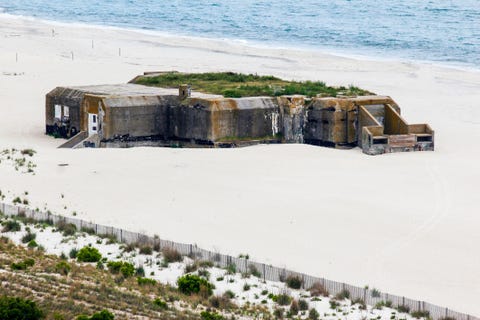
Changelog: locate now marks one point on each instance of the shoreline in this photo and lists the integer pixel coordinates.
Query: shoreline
(334, 52)
(311, 209)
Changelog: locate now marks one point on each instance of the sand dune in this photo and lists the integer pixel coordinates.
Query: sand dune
(405, 223)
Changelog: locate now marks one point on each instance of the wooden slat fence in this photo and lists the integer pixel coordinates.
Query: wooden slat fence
(266, 272)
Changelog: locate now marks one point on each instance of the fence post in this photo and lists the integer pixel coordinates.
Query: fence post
(121, 235)
(365, 295)
(264, 272)
(191, 250)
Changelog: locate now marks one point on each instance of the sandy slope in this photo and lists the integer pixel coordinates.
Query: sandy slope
(405, 223)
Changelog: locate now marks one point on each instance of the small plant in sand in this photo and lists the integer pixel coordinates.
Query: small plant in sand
(294, 282)
(207, 315)
(29, 236)
(171, 255)
(63, 267)
(11, 226)
(313, 314)
(344, 294)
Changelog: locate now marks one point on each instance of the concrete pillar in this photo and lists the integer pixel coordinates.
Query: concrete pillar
(184, 91)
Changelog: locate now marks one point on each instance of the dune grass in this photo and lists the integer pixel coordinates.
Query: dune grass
(237, 85)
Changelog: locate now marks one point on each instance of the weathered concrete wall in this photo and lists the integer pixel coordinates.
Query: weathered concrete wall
(293, 115)
(65, 97)
(245, 119)
(190, 122)
(130, 117)
(331, 122)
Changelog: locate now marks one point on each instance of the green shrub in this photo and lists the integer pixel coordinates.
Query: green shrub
(160, 303)
(89, 254)
(28, 237)
(303, 304)
(87, 230)
(146, 281)
(63, 267)
(402, 308)
(192, 284)
(420, 314)
(146, 250)
(278, 313)
(294, 282)
(229, 294)
(231, 268)
(361, 303)
(313, 314)
(282, 299)
(24, 265)
(11, 226)
(140, 272)
(32, 244)
(246, 287)
(344, 294)
(125, 268)
(191, 267)
(68, 229)
(207, 315)
(253, 271)
(334, 304)
(73, 253)
(17, 200)
(29, 152)
(379, 305)
(294, 308)
(13, 308)
(375, 293)
(102, 315)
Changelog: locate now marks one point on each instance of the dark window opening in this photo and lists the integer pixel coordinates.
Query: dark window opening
(424, 138)
(380, 141)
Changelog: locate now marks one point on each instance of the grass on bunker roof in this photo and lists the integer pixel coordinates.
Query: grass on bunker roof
(238, 85)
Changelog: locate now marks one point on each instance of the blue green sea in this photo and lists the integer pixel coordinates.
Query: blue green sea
(438, 31)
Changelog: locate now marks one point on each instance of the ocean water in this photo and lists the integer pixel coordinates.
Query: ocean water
(440, 31)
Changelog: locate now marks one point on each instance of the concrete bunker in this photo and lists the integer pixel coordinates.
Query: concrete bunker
(129, 115)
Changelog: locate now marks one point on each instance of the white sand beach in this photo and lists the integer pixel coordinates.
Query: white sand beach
(405, 223)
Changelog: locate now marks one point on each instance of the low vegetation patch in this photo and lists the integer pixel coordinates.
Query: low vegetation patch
(207, 315)
(146, 281)
(125, 268)
(88, 254)
(317, 289)
(171, 255)
(11, 226)
(237, 85)
(193, 284)
(102, 315)
(23, 265)
(294, 282)
(15, 308)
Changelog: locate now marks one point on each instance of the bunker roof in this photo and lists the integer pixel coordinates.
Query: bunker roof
(122, 89)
